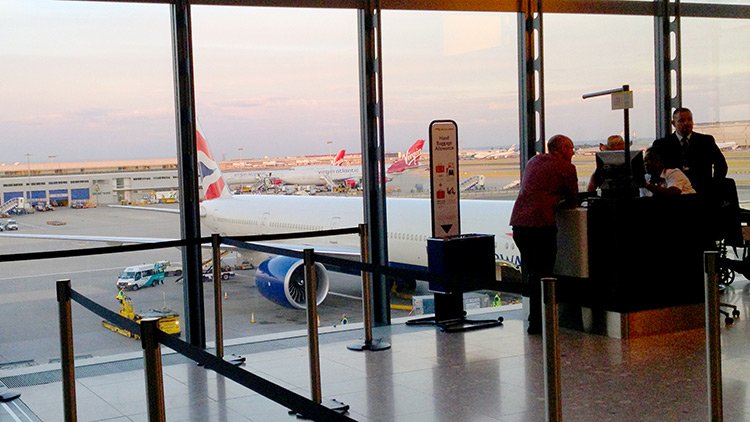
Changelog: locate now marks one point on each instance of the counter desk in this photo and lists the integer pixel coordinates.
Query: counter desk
(634, 266)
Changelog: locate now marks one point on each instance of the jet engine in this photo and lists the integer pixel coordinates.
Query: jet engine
(281, 279)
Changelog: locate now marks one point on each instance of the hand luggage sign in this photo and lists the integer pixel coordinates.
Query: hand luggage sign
(446, 219)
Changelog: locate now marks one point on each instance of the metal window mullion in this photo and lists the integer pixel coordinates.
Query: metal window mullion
(373, 155)
(667, 63)
(187, 167)
(530, 91)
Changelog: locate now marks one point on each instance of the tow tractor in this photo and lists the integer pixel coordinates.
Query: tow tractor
(169, 320)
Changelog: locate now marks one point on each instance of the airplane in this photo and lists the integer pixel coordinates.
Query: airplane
(727, 146)
(408, 161)
(350, 175)
(511, 152)
(280, 279)
(243, 177)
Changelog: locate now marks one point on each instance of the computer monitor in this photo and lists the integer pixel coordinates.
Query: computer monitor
(617, 182)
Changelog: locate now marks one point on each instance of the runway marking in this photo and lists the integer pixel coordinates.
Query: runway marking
(61, 272)
(345, 295)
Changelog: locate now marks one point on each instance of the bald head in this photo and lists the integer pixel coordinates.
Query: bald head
(561, 146)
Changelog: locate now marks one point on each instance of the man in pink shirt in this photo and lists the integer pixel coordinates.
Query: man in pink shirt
(547, 180)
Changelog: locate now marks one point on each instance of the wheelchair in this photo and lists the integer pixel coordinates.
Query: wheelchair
(731, 231)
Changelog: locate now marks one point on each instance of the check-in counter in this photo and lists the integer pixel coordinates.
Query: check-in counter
(622, 258)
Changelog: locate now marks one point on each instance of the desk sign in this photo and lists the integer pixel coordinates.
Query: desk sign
(622, 100)
(446, 218)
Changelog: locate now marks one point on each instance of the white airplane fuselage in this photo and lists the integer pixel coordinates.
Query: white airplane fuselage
(409, 221)
(318, 175)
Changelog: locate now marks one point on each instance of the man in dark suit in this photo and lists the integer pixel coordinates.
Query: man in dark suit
(694, 153)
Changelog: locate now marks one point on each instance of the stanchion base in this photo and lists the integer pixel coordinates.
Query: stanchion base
(374, 346)
(235, 360)
(332, 404)
(457, 324)
(8, 395)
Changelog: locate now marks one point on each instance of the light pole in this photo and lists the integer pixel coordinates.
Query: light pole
(28, 183)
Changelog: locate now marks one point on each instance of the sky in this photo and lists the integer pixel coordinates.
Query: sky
(93, 80)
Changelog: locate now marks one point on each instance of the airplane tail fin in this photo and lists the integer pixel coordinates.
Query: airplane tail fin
(410, 160)
(213, 182)
(338, 160)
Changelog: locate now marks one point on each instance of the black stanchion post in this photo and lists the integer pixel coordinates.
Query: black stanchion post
(218, 307)
(550, 329)
(713, 337)
(152, 366)
(369, 343)
(67, 355)
(218, 317)
(311, 287)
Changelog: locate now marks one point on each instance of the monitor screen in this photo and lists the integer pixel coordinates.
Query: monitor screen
(617, 179)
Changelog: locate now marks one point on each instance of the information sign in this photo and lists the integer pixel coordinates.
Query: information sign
(446, 218)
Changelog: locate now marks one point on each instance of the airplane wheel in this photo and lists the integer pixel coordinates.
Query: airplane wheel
(729, 320)
(736, 313)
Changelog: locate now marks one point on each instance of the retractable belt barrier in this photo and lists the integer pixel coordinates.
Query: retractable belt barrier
(308, 408)
(284, 397)
(245, 242)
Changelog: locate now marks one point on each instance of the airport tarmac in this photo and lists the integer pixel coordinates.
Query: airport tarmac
(28, 307)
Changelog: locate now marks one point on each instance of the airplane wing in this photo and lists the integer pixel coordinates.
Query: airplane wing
(151, 209)
(111, 240)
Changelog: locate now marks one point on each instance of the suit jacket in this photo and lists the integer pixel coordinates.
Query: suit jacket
(702, 162)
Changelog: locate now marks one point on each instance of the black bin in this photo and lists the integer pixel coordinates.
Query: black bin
(469, 258)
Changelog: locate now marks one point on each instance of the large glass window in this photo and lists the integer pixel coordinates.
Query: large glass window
(458, 66)
(586, 54)
(715, 57)
(277, 95)
(87, 111)
(462, 67)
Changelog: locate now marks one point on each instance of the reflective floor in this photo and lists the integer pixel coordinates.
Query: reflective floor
(493, 374)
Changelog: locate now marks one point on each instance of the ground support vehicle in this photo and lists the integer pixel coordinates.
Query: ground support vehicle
(225, 275)
(146, 275)
(169, 320)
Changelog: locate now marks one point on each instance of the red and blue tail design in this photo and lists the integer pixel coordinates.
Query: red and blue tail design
(213, 183)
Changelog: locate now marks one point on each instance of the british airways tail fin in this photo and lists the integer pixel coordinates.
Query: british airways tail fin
(213, 182)
(410, 160)
(338, 160)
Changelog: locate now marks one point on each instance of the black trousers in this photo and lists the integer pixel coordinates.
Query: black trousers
(538, 247)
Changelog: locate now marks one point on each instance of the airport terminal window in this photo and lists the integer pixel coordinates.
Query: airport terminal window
(715, 83)
(82, 82)
(609, 52)
(291, 89)
(276, 81)
(451, 65)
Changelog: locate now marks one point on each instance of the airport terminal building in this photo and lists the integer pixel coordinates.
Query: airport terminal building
(101, 182)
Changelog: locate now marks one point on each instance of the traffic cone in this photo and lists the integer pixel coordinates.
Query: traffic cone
(226, 295)
(252, 317)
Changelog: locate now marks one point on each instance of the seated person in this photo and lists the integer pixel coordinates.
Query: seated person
(614, 143)
(661, 181)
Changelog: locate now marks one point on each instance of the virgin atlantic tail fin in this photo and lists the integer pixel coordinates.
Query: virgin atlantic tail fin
(338, 160)
(212, 180)
(410, 160)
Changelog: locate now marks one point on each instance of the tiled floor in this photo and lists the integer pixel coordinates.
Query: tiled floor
(494, 374)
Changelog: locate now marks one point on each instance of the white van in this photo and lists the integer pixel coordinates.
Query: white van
(133, 278)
